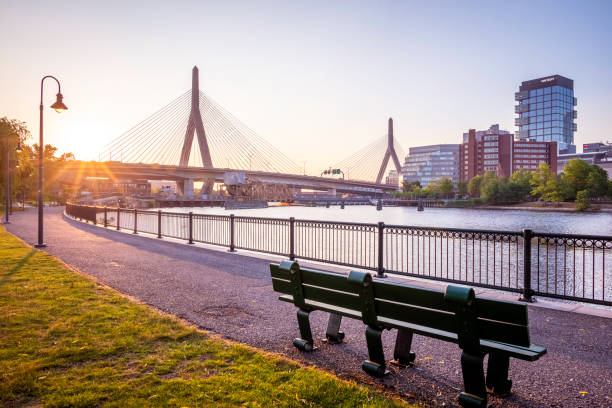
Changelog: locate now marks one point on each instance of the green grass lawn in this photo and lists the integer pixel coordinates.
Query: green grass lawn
(68, 341)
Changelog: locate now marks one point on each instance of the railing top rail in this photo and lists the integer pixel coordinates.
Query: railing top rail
(572, 236)
(211, 216)
(357, 224)
(242, 218)
(466, 230)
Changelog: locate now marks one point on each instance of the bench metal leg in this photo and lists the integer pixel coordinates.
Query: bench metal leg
(376, 364)
(497, 373)
(475, 394)
(333, 335)
(305, 343)
(402, 356)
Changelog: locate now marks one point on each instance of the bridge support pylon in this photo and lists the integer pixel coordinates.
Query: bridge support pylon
(195, 125)
(389, 154)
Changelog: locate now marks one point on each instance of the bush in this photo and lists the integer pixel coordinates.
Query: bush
(582, 200)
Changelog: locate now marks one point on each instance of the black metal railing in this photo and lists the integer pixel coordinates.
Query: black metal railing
(573, 267)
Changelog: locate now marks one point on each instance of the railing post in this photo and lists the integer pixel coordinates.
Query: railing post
(232, 247)
(105, 217)
(527, 295)
(159, 217)
(135, 221)
(380, 271)
(292, 238)
(190, 227)
(118, 215)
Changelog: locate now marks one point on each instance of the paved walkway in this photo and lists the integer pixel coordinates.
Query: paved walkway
(231, 294)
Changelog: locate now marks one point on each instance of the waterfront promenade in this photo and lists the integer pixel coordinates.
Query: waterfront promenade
(231, 294)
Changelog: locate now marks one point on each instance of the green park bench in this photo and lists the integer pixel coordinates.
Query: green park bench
(478, 325)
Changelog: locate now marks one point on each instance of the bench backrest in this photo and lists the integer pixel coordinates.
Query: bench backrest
(455, 310)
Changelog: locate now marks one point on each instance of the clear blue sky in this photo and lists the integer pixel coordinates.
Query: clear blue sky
(316, 79)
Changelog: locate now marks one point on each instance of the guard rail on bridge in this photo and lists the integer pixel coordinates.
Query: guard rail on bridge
(573, 267)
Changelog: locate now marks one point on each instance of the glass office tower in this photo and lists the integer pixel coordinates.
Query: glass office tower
(546, 112)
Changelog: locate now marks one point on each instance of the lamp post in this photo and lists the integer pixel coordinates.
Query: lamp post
(59, 108)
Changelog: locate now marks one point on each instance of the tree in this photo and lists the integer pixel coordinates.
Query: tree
(12, 132)
(445, 186)
(520, 183)
(474, 186)
(491, 190)
(462, 188)
(582, 200)
(545, 183)
(597, 181)
(490, 187)
(576, 174)
(409, 187)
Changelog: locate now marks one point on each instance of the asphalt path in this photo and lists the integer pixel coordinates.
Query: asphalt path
(231, 294)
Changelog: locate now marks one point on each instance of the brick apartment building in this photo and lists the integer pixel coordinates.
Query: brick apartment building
(496, 150)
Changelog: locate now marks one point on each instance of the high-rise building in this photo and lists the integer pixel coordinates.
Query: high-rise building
(496, 150)
(546, 112)
(428, 163)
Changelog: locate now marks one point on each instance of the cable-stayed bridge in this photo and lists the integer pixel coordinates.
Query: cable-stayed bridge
(194, 139)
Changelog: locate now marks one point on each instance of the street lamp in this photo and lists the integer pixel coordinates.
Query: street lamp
(59, 108)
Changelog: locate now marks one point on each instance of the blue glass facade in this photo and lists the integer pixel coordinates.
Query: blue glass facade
(546, 112)
(426, 164)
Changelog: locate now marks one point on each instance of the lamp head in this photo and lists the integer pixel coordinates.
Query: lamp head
(59, 105)
(18, 148)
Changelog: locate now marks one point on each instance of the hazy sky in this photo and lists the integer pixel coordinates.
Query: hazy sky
(316, 79)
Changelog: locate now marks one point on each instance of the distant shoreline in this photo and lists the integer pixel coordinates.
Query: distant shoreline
(544, 209)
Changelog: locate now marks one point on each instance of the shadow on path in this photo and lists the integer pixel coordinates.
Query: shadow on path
(17, 267)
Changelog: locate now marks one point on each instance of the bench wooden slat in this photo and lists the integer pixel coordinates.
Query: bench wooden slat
(435, 319)
(430, 298)
(503, 332)
(281, 285)
(336, 298)
(277, 272)
(508, 311)
(531, 353)
(329, 280)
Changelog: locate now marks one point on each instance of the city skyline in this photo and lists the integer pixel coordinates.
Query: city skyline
(328, 77)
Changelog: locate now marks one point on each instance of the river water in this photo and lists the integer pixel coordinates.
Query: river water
(505, 220)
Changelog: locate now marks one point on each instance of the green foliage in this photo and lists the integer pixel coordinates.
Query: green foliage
(491, 190)
(442, 187)
(576, 173)
(446, 186)
(582, 200)
(474, 186)
(520, 182)
(67, 342)
(545, 184)
(462, 188)
(597, 181)
(12, 133)
(579, 175)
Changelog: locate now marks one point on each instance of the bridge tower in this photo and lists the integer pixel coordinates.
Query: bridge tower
(389, 154)
(195, 125)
